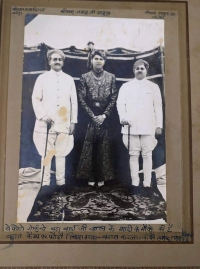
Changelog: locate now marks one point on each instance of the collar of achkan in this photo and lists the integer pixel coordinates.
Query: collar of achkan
(140, 80)
(56, 72)
(98, 73)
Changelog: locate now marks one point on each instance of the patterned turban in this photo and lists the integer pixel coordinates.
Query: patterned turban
(98, 52)
(140, 62)
(50, 52)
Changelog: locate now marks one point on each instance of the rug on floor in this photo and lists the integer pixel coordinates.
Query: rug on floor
(104, 204)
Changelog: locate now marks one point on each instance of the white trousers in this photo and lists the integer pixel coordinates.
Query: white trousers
(58, 145)
(60, 171)
(61, 143)
(144, 144)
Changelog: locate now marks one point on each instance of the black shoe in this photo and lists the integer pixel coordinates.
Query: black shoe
(65, 190)
(45, 192)
(134, 189)
(109, 183)
(147, 191)
(130, 191)
(90, 188)
(101, 188)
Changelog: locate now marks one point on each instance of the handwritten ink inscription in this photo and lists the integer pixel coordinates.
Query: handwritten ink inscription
(155, 14)
(84, 232)
(159, 14)
(19, 10)
(85, 12)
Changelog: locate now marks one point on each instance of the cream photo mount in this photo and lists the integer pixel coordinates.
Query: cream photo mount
(179, 226)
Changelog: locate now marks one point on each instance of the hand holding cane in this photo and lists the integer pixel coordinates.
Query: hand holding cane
(45, 151)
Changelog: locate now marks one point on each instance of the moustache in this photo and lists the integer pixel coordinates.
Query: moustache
(57, 64)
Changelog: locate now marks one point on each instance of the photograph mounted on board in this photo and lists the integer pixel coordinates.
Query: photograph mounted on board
(92, 144)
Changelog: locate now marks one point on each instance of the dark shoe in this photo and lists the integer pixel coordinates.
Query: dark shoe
(130, 192)
(44, 188)
(134, 189)
(45, 192)
(147, 191)
(90, 188)
(109, 183)
(65, 190)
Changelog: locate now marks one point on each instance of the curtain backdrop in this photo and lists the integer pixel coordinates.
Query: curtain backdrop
(119, 62)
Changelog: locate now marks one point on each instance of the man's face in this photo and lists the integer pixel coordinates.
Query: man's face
(140, 72)
(56, 62)
(98, 62)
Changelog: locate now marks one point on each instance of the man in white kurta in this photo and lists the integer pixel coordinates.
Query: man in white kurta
(139, 106)
(54, 102)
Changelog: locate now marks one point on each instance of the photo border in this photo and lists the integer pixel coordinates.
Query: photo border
(18, 11)
(4, 59)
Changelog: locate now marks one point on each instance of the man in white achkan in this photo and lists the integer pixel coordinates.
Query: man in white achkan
(55, 104)
(139, 106)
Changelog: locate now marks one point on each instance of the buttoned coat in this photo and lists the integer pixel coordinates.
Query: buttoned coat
(140, 103)
(54, 95)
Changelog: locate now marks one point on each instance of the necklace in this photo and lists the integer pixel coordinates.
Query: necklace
(98, 76)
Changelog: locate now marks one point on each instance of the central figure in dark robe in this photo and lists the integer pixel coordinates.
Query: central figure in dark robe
(97, 96)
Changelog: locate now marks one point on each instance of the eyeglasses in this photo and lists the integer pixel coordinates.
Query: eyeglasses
(57, 59)
(139, 68)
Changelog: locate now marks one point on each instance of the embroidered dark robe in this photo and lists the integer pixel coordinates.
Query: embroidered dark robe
(97, 95)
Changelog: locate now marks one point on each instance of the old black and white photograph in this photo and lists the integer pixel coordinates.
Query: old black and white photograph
(92, 145)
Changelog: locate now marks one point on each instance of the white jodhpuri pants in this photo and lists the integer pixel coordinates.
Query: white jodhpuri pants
(56, 145)
(144, 144)
(60, 171)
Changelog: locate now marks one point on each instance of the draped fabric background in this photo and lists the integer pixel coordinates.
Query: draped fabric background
(119, 62)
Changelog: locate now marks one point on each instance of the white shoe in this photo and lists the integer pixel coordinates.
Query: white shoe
(91, 183)
(135, 184)
(101, 183)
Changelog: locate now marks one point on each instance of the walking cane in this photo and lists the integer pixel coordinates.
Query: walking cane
(128, 155)
(45, 151)
(128, 138)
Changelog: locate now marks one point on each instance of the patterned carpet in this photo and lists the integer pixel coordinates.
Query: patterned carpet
(106, 203)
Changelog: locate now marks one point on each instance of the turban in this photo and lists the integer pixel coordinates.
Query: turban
(98, 52)
(50, 52)
(90, 42)
(140, 62)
